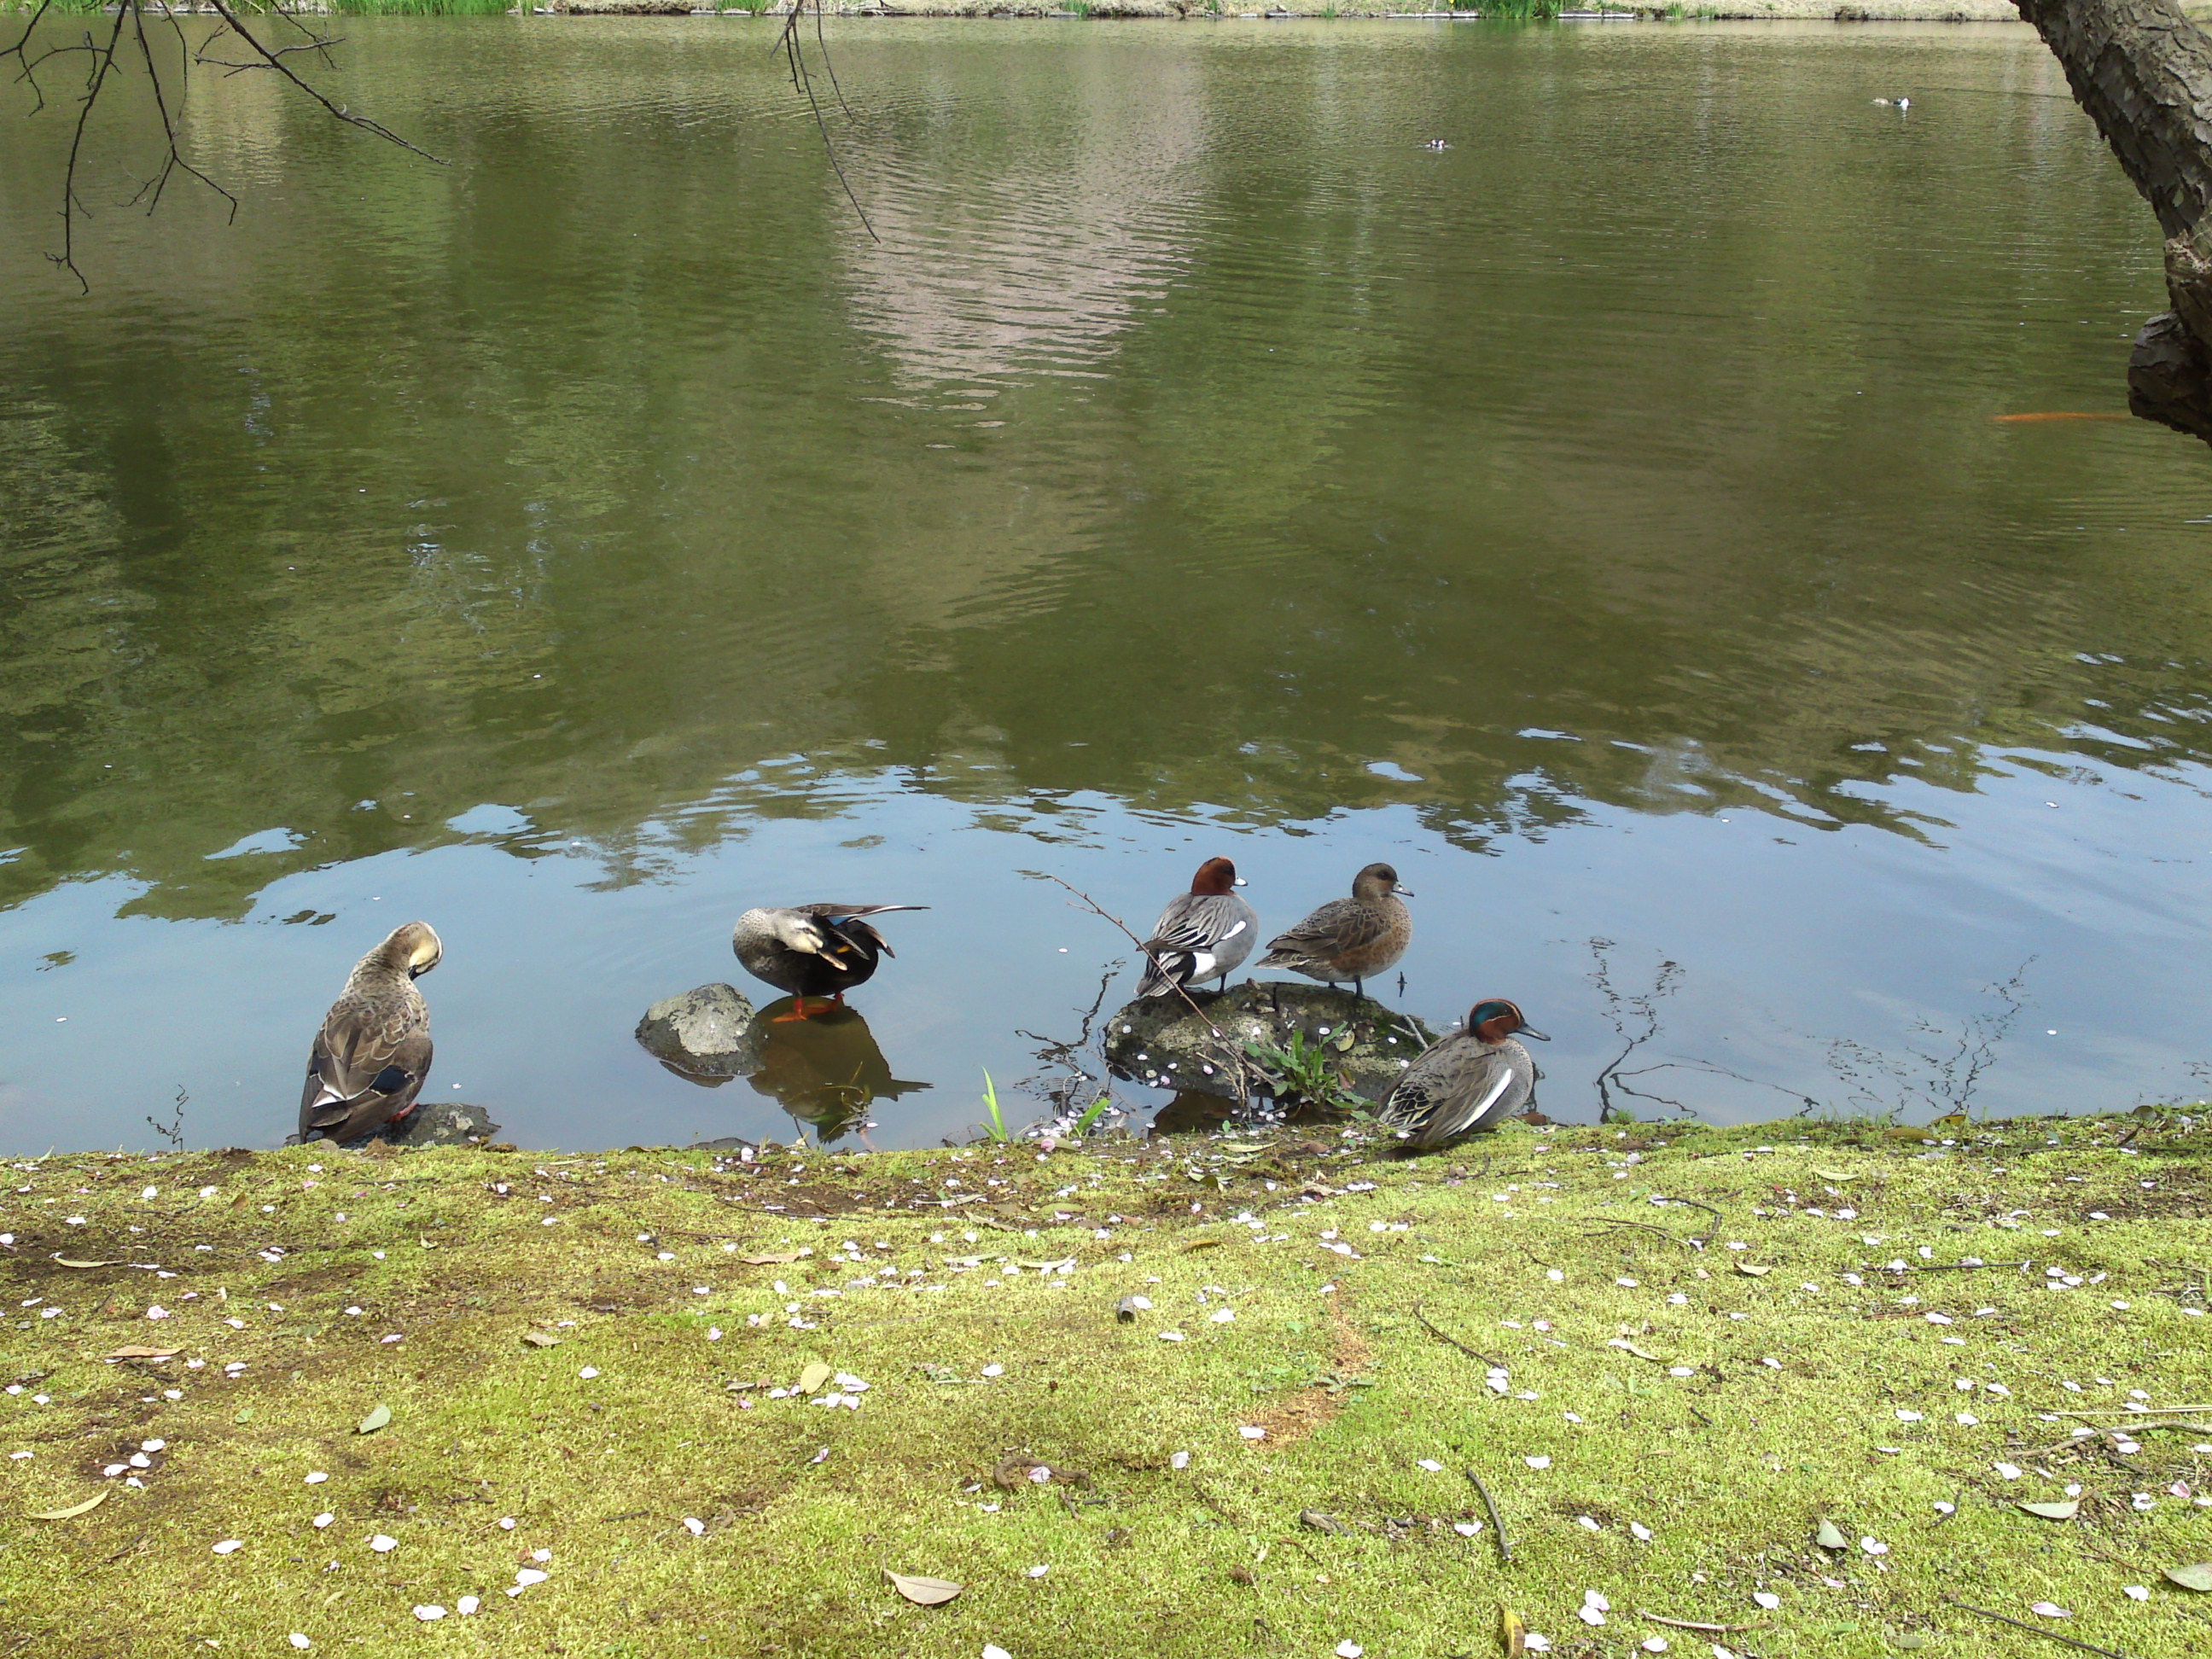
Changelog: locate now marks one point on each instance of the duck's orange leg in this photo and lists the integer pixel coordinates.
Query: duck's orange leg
(798, 1011)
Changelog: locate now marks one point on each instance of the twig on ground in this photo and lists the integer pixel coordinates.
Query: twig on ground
(1692, 1623)
(1497, 1521)
(2124, 1412)
(1946, 1266)
(2048, 1635)
(1443, 1336)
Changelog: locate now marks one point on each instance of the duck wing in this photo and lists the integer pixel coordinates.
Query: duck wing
(1341, 928)
(368, 1064)
(1457, 1086)
(1198, 936)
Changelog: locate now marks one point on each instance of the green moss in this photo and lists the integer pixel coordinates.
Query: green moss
(1779, 1419)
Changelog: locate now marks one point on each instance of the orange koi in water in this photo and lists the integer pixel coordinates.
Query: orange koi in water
(2057, 415)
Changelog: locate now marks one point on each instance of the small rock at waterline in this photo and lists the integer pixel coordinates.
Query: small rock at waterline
(706, 1035)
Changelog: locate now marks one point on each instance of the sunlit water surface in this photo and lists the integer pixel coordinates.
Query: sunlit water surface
(1604, 519)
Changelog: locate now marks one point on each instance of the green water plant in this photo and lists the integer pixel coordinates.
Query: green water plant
(994, 1127)
(1305, 1072)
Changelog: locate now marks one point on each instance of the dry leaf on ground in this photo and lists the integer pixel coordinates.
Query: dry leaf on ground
(921, 1591)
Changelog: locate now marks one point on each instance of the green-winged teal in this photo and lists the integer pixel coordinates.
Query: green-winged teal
(812, 950)
(1203, 934)
(374, 1051)
(1349, 938)
(1467, 1082)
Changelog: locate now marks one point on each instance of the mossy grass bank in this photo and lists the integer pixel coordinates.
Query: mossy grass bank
(1678, 1358)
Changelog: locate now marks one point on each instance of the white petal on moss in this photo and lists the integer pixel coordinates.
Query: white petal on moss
(1348, 1649)
(1766, 1599)
(229, 1544)
(427, 1614)
(322, 1520)
(300, 1641)
(383, 1543)
(2051, 1610)
(466, 1605)
(1253, 1431)
(1538, 1462)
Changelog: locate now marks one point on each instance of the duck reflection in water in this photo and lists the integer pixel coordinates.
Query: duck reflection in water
(827, 1069)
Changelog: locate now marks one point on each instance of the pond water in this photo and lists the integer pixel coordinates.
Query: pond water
(1606, 518)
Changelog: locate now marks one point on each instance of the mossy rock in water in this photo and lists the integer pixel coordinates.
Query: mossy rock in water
(706, 1035)
(1159, 1041)
(446, 1123)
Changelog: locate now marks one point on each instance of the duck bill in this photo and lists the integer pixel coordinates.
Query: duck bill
(1405, 892)
(1530, 1031)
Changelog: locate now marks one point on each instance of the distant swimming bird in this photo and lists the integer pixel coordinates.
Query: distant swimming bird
(374, 1051)
(812, 950)
(1905, 103)
(1202, 934)
(1436, 144)
(1466, 1083)
(1349, 938)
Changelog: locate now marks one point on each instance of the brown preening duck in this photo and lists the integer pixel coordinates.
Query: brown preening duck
(373, 1051)
(812, 950)
(1349, 938)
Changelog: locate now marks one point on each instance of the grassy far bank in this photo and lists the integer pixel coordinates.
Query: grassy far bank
(1670, 1354)
(1945, 11)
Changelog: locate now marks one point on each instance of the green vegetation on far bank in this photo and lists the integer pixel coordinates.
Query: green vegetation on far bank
(1678, 1359)
(1850, 11)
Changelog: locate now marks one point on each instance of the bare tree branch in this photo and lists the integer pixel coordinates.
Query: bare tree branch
(167, 90)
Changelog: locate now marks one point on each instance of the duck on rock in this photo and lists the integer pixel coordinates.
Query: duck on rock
(373, 1053)
(1466, 1083)
(1349, 938)
(1203, 934)
(812, 950)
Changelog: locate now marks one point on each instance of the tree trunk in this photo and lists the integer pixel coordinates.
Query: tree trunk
(2144, 73)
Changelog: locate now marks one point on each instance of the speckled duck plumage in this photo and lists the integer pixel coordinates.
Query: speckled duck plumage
(1349, 938)
(1203, 934)
(373, 1053)
(1467, 1083)
(812, 950)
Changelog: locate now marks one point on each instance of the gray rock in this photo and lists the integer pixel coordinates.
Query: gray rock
(446, 1123)
(1357, 1043)
(706, 1035)
(432, 1123)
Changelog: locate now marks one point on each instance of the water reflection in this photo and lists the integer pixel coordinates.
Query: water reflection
(826, 1069)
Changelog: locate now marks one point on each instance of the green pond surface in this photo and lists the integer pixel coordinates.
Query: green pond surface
(1606, 518)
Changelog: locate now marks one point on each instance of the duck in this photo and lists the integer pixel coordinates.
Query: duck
(1466, 1083)
(1203, 934)
(373, 1053)
(1349, 938)
(812, 950)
